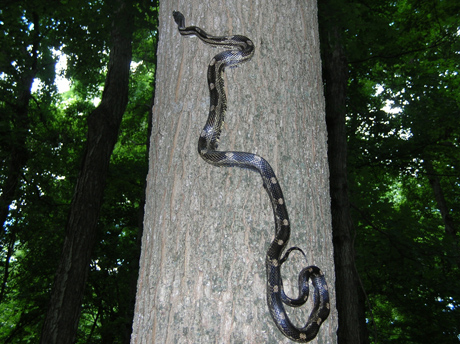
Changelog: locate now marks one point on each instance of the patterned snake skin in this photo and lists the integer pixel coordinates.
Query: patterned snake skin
(241, 50)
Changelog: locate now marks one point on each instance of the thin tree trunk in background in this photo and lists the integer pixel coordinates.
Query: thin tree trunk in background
(447, 218)
(206, 230)
(350, 300)
(16, 161)
(18, 156)
(20, 121)
(433, 178)
(61, 320)
(15, 141)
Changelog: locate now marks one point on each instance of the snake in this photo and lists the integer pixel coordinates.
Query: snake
(241, 49)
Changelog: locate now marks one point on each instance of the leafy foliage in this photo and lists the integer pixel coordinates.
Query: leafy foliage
(408, 259)
(51, 137)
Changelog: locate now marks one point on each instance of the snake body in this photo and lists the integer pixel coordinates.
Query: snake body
(241, 50)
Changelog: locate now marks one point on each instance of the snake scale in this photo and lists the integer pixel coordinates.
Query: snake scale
(241, 50)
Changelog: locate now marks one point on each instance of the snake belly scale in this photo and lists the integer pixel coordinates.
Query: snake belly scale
(241, 49)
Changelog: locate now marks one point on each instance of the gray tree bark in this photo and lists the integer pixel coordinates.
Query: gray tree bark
(207, 229)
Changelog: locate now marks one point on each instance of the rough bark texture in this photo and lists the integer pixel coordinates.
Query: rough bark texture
(352, 326)
(206, 230)
(61, 320)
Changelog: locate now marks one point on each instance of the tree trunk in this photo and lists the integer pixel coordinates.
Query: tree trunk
(61, 320)
(449, 224)
(350, 306)
(17, 114)
(207, 230)
(447, 219)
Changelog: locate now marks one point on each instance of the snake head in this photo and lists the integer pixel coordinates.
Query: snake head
(179, 19)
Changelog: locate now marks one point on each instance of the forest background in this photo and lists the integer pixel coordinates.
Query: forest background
(392, 90)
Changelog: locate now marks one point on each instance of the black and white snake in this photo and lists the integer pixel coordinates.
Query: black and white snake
(241, 50)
